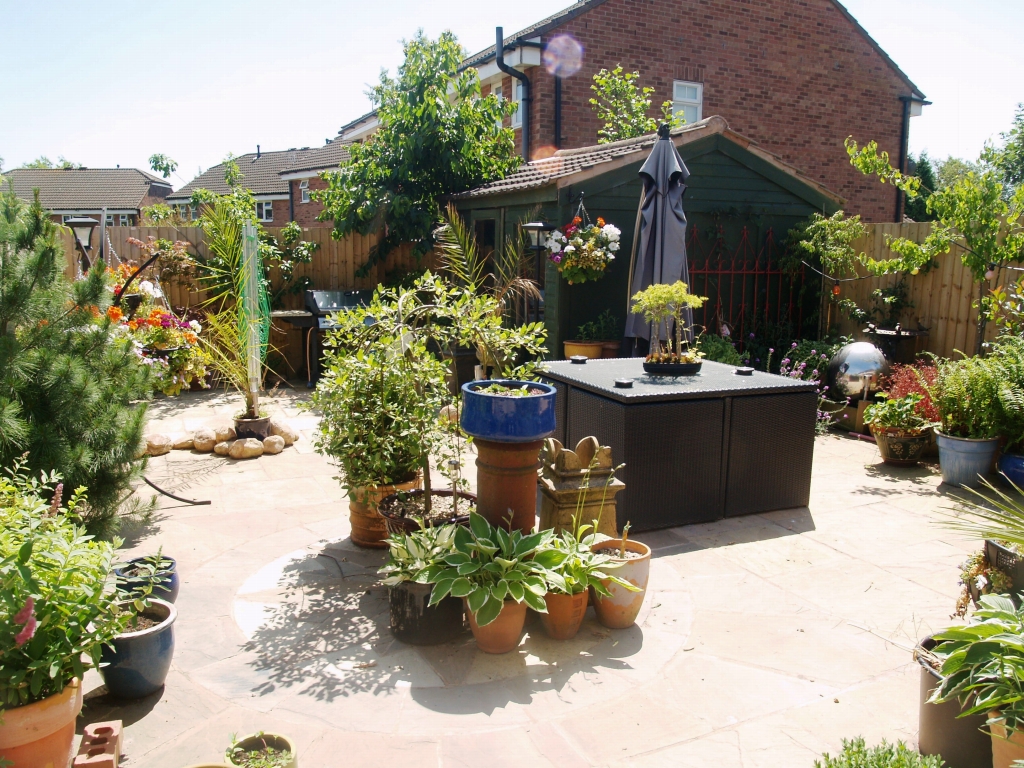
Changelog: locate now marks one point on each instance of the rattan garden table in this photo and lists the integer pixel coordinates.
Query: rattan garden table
(696, 448)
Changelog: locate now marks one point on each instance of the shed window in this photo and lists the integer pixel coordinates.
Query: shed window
(304, 190)
(687, 100)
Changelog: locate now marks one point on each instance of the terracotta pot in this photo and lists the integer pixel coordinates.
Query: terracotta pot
(368, 526)
(565, 614)
(275, 740)
(506, 483)
(1005, 751)
(501, 635)
(621, 609)
(589, 349)
(42, 735)
(611, 349)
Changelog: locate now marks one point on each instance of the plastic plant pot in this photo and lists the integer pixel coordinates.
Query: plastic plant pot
(136, 663)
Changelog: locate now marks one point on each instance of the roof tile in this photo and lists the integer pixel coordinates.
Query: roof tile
(62, 189)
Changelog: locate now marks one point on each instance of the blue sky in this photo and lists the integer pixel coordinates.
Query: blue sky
(196, 80)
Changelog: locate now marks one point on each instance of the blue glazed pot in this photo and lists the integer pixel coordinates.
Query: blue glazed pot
(1012, 465)
(508, 419)
(169, 583)
(136, 664)
(962, 460)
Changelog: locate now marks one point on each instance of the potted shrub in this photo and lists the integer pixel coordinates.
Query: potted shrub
(158, 572)
(227, 348)
(619, 608)
(900, 432)
(857, 754)
(668, 306)
(262, 750)
(136, 662)
(55, 615)
(494, 573)
(982, 667)
(415, 559)
(966, 394)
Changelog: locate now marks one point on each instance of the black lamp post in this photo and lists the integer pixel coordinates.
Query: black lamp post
(537, 232)
(83, 226)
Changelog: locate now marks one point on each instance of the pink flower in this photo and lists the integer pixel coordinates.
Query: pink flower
(26, 632)
(26, 613)
(55, 503)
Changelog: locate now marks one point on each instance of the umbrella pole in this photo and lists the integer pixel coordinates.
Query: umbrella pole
(632, 256)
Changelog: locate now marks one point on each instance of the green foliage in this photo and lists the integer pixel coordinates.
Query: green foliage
(163, 165)
(55, 610)
(605, 328)
(491, 565)
(623, 106)
(259, 755)
(719, 349)
(982, 663)
(828, 240)
(72, 389)
(570, 567)
(418, 556)
(159, 215)
(856, 754)
(1006, 308)
(661, 303)
(1007, 360)
(991, 513)
(141, 577)
(225, 344)
(966, 394)
(437, 136)
(916, 207)
(44, 162)
(1008, 160)
(896, 412)
(868, 161)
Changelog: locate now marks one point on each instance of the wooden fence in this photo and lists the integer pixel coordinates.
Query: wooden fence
(942, 297)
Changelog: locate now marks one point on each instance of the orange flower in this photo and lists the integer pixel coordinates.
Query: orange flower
(576, 220)
(133, 325)
(600, 221)
(115, 314)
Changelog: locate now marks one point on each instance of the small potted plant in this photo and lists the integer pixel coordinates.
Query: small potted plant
(668, 306)
(158, 571)
(901, 432)
(620, 607)
(262, 750)
(227, 349)
(495, 574)
(55, 615)
(415, 559)
(966, 394)
(595, 339)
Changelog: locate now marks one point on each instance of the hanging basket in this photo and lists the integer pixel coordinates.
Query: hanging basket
(581, 250)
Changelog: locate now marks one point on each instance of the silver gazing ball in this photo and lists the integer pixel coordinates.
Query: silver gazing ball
(852, 367)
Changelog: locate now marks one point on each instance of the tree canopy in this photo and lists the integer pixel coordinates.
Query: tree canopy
(625, 107)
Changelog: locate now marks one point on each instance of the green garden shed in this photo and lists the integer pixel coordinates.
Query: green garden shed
(740, 203)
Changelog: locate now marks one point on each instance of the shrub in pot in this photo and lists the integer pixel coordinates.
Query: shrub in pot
(901, 433)
(55, 615)
(670, 306)
(620, 607)
(136, 662)
(415, 559)
(857, 754)
(158, 572)
(595, 339)
(496, 575)
(227, 345)
(262, 750)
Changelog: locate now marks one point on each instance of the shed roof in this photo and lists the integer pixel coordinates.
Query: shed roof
(261, 174)
(62, 189)
(567, 166)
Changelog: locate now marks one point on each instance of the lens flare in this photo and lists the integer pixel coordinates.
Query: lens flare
(563, 56)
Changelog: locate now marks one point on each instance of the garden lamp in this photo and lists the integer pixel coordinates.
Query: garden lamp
(83, 226)
(537, 232)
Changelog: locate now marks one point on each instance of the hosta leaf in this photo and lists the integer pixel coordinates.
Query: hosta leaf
(515, 590)
(535, 601)
(476, 599)
(549, 558)
(535, 585)
(440, 590)
(457, 558)
(461, 587)
(479, 525)
(467, 568)
(488, 613)
(500, 590)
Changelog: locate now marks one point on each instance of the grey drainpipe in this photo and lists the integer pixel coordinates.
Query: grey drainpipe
(499, 59)
(291, 201)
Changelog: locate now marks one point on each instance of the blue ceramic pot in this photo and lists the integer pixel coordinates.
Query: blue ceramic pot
(508, 419)
(136, 664)
(1012, 465)
(165, 586)
(962, 460)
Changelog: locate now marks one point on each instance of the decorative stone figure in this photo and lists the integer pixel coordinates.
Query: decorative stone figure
(568, 488)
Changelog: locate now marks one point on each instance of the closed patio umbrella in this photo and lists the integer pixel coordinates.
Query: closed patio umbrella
(659, 242)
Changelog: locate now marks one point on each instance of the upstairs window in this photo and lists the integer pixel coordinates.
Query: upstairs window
(265, 211)
(517, 116)
(687, 100)
(304, 190)
(499, 96)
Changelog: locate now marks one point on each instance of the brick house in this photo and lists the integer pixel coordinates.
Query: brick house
(71, 192)
(796, 76)
(303, 177)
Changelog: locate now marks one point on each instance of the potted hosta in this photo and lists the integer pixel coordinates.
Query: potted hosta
(619, 608)
(56, 613)
(901, 433)
(666, 306)
(262, 750)
(966, 394)
(495, 574)
(415, 559)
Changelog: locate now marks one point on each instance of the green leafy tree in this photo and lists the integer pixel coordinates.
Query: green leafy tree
(951, 170)
(916, 207)
(436, 136)
(1009, 159)
(44, 162)
(72, 390)
(163, 165)
(625, 107)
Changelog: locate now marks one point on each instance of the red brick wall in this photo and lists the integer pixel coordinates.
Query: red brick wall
(306, 213)
(794, 75)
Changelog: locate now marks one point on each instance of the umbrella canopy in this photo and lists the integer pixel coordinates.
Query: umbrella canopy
(661, 234)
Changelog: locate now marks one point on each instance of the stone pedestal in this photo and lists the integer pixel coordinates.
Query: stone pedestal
(580, 482)
(506, 481)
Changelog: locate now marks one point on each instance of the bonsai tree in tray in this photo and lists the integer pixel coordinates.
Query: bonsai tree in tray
(667, 306)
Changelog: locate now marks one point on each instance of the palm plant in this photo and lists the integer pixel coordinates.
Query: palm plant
(994, 515)
(226, 342)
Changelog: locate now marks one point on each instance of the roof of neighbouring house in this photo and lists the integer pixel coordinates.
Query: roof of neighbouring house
(321, 159)
(63, 189)
(601, 158)
(261, 174)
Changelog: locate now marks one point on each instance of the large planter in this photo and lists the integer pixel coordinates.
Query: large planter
(589, 349)
(275, 740)
(395, 523)
(1007, 749)
(504, 419)
(42, 734)
(136, 664)
(565, 614)
(1012, 465)
(415, 621)
(941, 731)
(368, 526)
(963, 460)
(165, 584)
(901, 447)
(501, 635)
(621, 609)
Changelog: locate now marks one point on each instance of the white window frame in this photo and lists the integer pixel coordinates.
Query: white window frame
(124, 220)
(66, 217)
(517, 98)
(263, 208)
(680, 104)
(496, 90)
(110, 220)
(304, 191)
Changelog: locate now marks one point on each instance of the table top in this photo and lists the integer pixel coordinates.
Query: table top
(713, 380)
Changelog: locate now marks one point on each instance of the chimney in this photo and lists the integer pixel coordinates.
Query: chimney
(257, 151)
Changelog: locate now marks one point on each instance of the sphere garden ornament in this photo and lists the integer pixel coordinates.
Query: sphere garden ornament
(854, 367)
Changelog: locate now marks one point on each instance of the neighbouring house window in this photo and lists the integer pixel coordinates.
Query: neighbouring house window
(65, 217)
(193, 212)
(498, 95)
(265, 211)
(110, 219)
(517, 116)
(304, 189)
(687, 100)
(124, 220)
